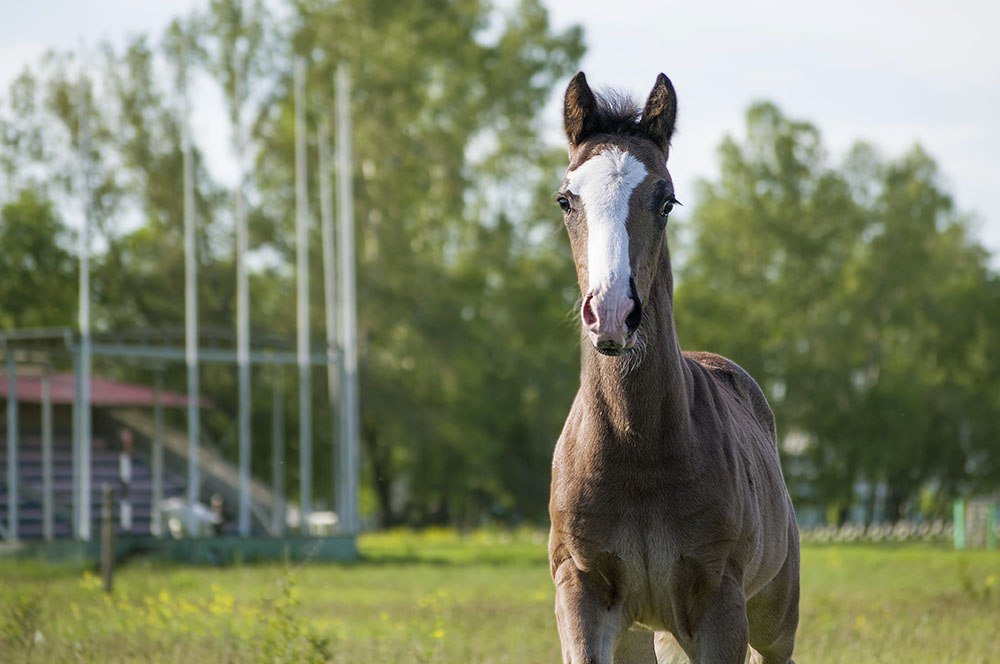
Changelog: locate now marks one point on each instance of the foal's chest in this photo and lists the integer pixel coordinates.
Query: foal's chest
(640, 535)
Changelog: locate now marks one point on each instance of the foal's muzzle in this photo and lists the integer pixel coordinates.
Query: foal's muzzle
(611, 317)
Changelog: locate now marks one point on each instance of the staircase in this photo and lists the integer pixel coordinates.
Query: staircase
(218, 475)
(104, 464)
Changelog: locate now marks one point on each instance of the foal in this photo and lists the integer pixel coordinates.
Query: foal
(669, 510)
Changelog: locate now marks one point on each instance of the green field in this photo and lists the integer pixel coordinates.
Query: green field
(437, 597)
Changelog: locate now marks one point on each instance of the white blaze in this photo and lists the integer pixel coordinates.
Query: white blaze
(605, 183)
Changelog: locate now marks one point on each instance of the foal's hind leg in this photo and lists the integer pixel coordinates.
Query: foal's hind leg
(774, 614)
(590, 619)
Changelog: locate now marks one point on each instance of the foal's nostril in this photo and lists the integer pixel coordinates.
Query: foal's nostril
(634, 316)
(589, 317)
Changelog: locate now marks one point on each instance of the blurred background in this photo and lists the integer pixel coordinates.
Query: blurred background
(839, 235)
(840, 239)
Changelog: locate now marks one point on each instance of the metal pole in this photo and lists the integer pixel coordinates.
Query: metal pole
(190, 302)
(348, 319)
(47, 453)
(278, 455)
(77, 408)
(242, 320)
(156, 521)
(12, 496)
(329, 296)
(83, 524)
(302, 296)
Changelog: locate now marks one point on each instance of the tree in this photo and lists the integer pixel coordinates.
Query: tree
(842, 289)
(452, 201)
(442, 112)
(37, 272)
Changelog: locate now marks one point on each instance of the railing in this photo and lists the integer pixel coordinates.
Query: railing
(901, 531)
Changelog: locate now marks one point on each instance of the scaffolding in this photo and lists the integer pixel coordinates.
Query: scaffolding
(40, 350)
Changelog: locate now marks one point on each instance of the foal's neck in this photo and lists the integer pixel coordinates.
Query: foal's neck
(644, 392)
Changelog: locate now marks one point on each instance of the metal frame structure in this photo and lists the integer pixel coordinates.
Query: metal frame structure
(156, 348)
(41, 349)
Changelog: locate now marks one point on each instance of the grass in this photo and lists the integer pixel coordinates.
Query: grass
(437, 597)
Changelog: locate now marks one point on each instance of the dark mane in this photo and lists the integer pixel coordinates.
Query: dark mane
(617, 113)
(614, 112)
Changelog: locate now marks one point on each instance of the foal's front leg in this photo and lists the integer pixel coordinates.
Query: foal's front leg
(722, 632)
(590, 617)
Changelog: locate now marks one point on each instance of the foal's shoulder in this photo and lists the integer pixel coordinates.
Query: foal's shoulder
(737, 380)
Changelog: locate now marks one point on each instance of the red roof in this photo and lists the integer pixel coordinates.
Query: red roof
(104, 392)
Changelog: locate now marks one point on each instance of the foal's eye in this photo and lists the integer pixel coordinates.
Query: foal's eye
(563, 202)
(668, 206)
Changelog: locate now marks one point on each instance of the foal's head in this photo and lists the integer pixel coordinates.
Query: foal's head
(616, 196)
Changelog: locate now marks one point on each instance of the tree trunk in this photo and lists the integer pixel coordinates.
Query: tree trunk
(381, 475)
(870, 503)
(894, 504)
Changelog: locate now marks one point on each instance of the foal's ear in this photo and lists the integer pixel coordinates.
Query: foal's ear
(579, 110)
(660, 113)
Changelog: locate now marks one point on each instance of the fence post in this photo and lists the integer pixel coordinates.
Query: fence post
(13, 471)
(107, 536)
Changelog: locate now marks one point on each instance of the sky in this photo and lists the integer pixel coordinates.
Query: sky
(891, 73)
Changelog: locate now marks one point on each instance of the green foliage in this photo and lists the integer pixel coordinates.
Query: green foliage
(975, 587)
(19, 625)
(455, 303)
(856, 295)
(853, 291)
(486, 597)
(460, 283)
(35, 262)
(287, 638)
